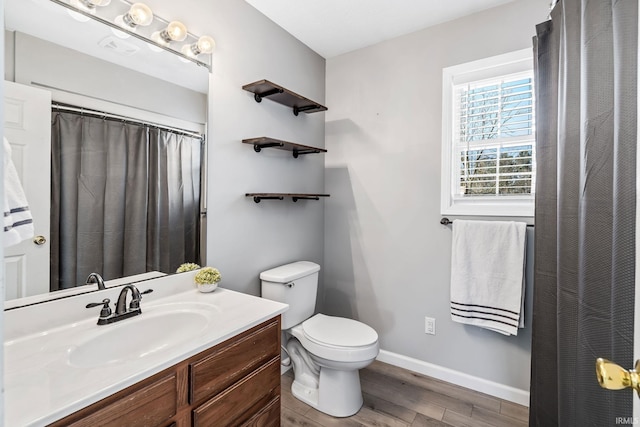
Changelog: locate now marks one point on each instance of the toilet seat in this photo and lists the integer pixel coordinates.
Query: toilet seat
(337, 338)
(338, 331)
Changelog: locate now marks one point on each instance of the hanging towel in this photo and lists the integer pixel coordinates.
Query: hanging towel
(487, 274)
(18, 223)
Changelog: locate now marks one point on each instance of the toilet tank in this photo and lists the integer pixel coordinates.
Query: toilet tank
(295, 284)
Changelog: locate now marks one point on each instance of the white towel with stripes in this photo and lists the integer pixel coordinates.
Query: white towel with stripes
(487, 274)
(18, 222)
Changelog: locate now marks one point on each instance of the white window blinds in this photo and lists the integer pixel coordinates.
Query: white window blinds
(494, 136)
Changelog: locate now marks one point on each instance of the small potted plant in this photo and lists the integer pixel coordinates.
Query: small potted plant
(187, 266)
(207, 279)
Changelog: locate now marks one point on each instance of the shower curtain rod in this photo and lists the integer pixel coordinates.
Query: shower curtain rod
(103, 114)
(447, 221)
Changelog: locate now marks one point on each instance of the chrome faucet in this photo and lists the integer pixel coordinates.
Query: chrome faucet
(95, 278)
(122, 312)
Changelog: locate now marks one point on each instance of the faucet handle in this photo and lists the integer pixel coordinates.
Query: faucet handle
(106, 310)
(135, 302)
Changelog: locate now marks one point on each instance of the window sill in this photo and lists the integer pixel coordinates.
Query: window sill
(505, 208)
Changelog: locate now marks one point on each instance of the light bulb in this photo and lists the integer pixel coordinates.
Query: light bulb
(157, 37)
(86, 6)
(205, 44)
(119, 21)
(175, 31)
(139, 14)
(187, 49)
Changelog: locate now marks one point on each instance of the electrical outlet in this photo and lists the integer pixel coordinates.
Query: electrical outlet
(429, 325)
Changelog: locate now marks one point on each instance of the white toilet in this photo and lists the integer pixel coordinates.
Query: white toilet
(326, 351)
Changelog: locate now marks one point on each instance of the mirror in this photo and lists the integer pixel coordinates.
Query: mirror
(86, 65)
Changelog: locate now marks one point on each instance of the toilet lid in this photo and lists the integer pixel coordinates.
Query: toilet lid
(339, 331)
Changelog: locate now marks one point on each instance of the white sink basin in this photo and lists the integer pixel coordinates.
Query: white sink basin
(135, 338)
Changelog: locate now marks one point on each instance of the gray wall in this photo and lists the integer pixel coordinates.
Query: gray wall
(245, 238)
(387, 258)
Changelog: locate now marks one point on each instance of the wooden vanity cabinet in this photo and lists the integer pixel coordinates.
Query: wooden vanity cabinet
(235, 383)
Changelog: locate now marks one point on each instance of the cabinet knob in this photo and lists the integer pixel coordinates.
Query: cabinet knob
(39, 240)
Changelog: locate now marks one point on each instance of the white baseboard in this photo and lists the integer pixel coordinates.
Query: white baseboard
(501, 391)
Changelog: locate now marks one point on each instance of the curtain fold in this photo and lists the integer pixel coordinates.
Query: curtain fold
(174, 200)
(125, 199)
(586, 90)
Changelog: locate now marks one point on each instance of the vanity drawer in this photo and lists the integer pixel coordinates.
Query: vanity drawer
(151, 405)
(269, 416)
(226, 365)
(244, 399)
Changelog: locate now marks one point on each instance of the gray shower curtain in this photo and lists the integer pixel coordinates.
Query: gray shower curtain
(586, 65)
(125, 199)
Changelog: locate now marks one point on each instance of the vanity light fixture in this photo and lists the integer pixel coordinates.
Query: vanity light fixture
(205, 44)
(128, 19)
(138, 15)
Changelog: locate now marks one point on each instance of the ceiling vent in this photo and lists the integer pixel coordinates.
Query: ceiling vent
(118, 46)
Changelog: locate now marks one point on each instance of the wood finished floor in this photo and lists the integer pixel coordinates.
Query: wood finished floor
(395, 397)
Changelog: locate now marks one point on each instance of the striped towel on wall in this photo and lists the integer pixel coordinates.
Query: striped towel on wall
(18, 222)
(487, 274)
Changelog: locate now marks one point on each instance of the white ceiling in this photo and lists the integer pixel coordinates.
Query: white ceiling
(334, 27)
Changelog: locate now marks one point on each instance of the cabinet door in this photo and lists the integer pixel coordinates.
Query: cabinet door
(241, 401)
(222, 368)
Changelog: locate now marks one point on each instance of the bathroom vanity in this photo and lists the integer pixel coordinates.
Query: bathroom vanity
(236, 382)
(190, 359)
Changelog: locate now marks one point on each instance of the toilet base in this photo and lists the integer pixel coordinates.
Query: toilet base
(338, 393)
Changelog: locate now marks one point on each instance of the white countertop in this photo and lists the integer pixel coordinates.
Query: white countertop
(41, 386)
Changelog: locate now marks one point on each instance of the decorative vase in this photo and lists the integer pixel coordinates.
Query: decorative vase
(207, 287)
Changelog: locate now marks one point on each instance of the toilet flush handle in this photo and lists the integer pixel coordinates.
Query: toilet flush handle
(290, 284)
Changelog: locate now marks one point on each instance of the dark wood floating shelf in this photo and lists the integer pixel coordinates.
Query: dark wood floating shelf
(296, 149)
(257, 197)
(266, 89)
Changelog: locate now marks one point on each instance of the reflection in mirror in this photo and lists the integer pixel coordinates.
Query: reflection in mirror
(119, 124)
(125, 197)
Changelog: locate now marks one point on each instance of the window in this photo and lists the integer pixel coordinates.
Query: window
(488, 148)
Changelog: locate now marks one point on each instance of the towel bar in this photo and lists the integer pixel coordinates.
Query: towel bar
(447, 221)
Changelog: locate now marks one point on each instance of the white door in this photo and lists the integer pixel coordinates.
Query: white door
(27, 126)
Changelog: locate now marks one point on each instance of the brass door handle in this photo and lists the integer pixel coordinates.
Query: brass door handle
(614, 377)
(39, 240)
